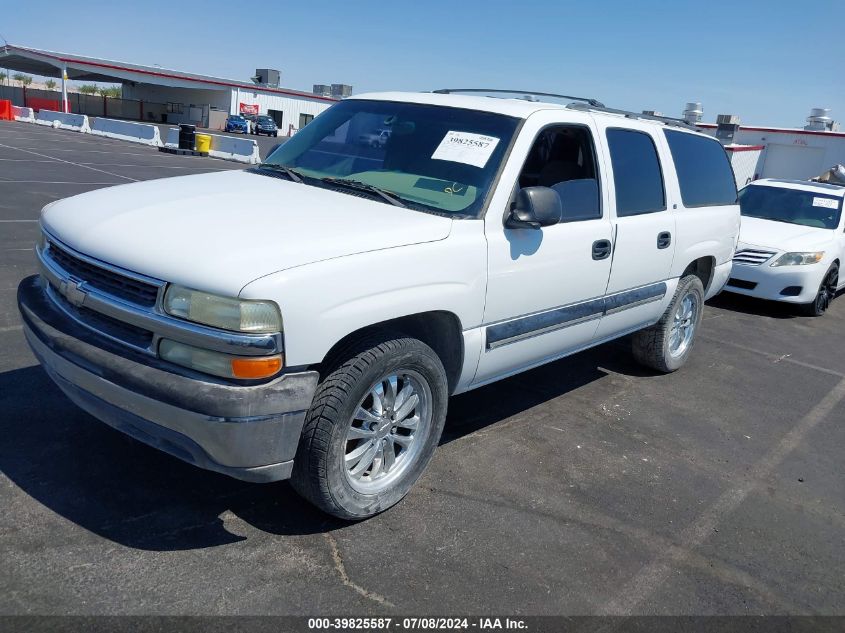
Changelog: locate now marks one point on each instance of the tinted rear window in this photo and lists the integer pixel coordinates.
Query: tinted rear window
(636, 173)
(704, 171)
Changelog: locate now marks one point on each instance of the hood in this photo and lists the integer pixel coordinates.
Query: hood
(220, 231)
(782, 236)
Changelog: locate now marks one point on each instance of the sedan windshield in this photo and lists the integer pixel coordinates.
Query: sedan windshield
(808, 208)
(431, 158)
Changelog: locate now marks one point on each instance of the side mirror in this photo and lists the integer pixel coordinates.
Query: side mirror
(535, 207)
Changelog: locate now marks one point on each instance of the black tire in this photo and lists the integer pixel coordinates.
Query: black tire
(319, 472)
(825, 295)
(652, 346)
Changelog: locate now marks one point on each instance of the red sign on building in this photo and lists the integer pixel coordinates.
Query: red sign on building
(249, 108)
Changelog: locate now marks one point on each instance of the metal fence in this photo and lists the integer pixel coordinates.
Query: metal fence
(92, 105)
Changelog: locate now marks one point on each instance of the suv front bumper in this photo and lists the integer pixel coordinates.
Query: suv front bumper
(249, 432)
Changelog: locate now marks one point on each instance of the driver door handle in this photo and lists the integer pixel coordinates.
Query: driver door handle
(601, 249)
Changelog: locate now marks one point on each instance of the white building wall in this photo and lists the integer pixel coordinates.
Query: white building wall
(792, 153)
(290, 106)
(745, 164)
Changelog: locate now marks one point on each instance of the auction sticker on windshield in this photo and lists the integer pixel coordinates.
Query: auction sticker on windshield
(828, 203)
(466, 147)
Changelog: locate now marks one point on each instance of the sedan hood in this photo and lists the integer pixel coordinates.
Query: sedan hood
(782, 236)
(220, 231)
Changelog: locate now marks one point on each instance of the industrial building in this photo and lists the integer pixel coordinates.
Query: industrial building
(152, 93)
(776, 152)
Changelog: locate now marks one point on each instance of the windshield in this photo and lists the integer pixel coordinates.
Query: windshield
(265, 119)
(235, 118)
(808, 208)
(432, 158)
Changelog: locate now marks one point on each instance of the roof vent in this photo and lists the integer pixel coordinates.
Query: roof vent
(693, 112)
(652, 113)
(819, 120)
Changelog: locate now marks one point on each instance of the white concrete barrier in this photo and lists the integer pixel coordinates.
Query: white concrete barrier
(172, 139)
(127, 131)
(63, 120)
(26, 115)
(243, 150)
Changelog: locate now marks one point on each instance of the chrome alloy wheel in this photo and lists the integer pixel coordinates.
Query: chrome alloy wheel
(683, 325)
(387, 431)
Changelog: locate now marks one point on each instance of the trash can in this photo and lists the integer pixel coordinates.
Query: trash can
(203, 143)
(187, 134)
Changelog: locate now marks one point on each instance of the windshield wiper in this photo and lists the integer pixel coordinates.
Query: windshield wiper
(287, 171)
(362, 186)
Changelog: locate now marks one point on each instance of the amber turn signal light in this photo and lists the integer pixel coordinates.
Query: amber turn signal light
(252, 368)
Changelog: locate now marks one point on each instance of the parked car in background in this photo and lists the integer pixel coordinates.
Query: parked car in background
(265, 125)
(791, 243)
(378, 138)
(312, 320)
(236, 123)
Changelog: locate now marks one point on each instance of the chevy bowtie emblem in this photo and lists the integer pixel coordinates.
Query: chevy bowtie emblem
(73, 292)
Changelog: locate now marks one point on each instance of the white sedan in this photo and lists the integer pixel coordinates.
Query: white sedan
(791, 243)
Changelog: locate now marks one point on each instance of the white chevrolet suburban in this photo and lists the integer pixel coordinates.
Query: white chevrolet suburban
(310, 317)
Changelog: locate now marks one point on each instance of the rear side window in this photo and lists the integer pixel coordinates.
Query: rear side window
(636, 173)
(704, 171)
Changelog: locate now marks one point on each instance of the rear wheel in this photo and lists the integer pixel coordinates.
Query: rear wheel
(372, 428)
(666, 346)
(825, 295)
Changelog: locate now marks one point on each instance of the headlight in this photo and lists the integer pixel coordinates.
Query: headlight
(798, 259)
(224, 312)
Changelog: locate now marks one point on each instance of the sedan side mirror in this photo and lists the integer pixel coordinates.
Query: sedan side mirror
(534, 208)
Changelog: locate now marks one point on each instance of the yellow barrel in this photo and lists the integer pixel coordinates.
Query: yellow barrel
(203, 143)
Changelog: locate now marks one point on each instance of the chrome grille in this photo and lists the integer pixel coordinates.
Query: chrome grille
(120, 286)
(752, 257)
(102, 324)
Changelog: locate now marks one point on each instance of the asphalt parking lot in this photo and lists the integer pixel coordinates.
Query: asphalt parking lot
(588, 486)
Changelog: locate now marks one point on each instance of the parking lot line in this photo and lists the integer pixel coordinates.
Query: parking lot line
(69, 162)
(777, 358)
(653, 575)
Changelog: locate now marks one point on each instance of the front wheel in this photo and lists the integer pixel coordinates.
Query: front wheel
(825, 295)
(372, 428)
(666, 346)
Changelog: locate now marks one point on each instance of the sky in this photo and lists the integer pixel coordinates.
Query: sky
(768, 62)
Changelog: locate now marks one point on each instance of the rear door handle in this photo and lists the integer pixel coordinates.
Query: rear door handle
(601, 249)
(664, 239)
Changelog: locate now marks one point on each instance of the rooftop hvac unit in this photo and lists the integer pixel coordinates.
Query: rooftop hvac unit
(726, 128)
(267, 77)
(693, 112)
(819, 120)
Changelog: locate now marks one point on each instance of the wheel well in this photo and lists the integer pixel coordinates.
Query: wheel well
(440, 330)
(703, 269)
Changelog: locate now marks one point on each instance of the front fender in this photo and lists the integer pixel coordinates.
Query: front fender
(323, 302)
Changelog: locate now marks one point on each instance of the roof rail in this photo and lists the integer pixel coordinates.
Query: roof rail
(635, 115)
(593, 102)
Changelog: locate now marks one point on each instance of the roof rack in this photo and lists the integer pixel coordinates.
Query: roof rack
(593, 102)
(635, 115)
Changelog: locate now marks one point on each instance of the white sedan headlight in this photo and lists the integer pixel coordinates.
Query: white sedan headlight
(798, 259)
(226, 313)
